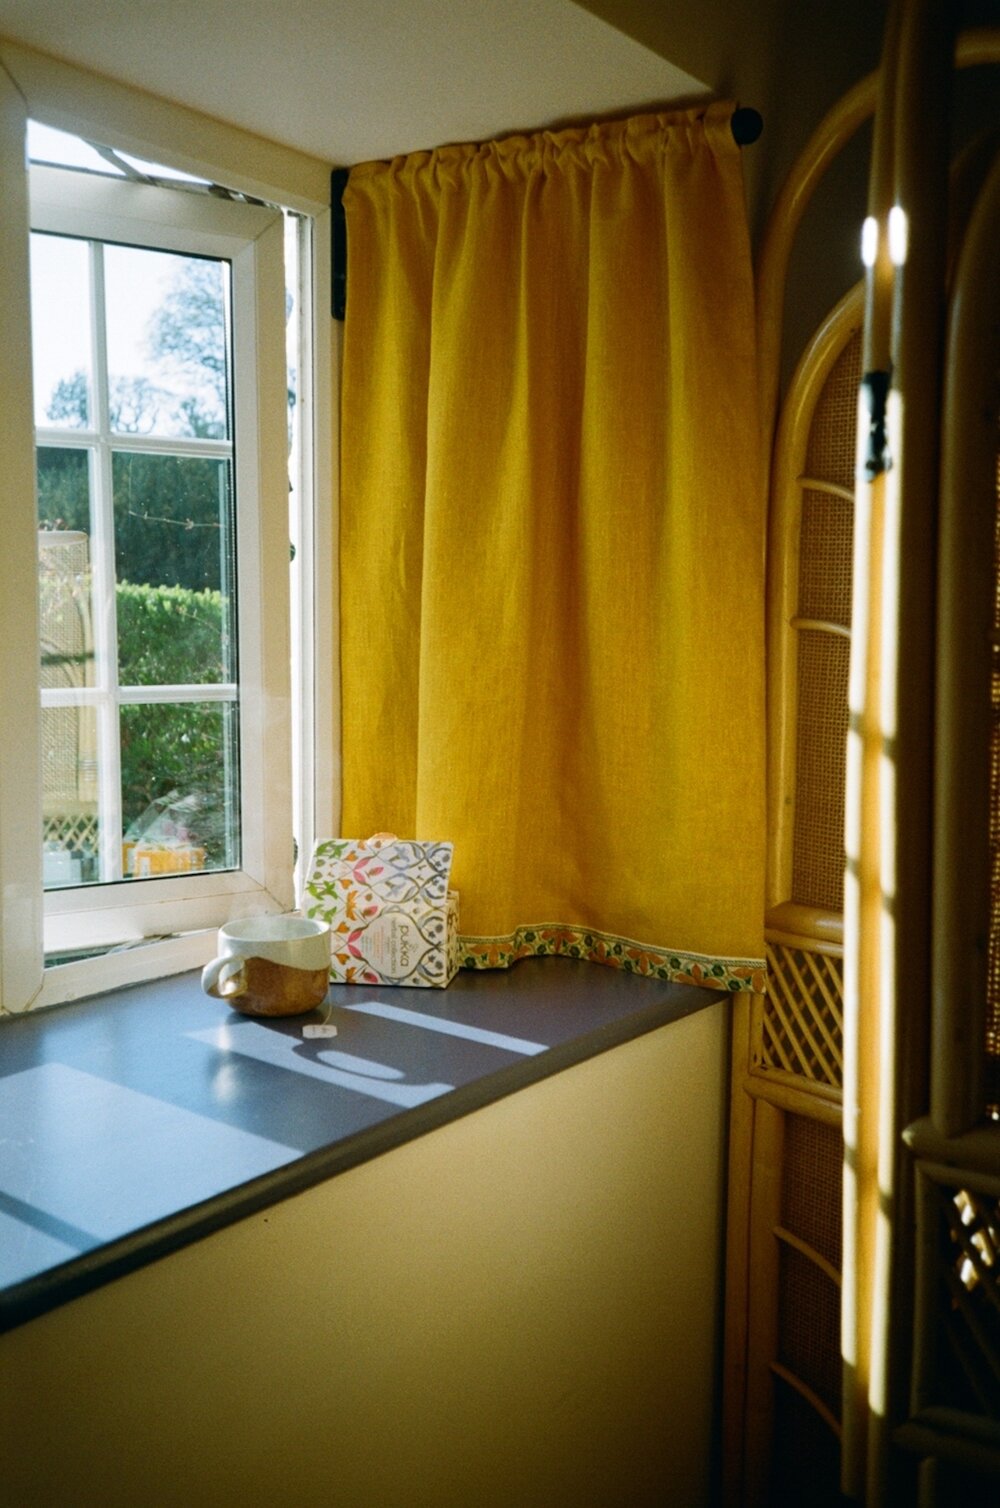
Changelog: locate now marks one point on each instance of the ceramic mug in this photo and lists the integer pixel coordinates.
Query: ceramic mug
(270, 965)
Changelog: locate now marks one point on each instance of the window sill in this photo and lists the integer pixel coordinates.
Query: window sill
(138, 1122)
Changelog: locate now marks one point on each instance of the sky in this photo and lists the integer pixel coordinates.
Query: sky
(135, 281)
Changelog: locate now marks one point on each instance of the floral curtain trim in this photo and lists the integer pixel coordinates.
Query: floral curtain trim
(616, 953)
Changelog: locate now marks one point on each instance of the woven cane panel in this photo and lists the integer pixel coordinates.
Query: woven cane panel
(809, 1326)
(826, 557)
(805, 1459)
(993, 954)
(966, 1374)
(811, 1191)
(830, 453)
(820, 770)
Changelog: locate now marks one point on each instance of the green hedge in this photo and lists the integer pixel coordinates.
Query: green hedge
(169, 636)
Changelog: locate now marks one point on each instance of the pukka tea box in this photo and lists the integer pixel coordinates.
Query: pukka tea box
(393, 918)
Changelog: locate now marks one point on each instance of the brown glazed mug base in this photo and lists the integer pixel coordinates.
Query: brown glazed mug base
(275, 989)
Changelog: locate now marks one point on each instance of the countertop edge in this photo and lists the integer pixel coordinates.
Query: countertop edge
(58, 1285)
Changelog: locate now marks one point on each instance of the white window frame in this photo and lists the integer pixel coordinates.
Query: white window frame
(34, 86)
(251, 240)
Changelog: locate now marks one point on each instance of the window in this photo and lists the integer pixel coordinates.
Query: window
(159, 536)
(138, 590)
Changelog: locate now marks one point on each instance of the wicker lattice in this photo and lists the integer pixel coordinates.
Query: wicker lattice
(801, 1019)
(967, 1373)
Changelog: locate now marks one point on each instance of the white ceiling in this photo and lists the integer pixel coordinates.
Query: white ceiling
(347, 80)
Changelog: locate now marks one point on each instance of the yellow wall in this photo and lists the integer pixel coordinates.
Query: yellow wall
(520, 1308)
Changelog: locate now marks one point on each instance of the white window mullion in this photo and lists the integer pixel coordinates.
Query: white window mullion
(109, 801)
(157, 445)
(141, 696)
(149, 696)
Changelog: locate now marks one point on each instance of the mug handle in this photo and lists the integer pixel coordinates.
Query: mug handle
(235, 977)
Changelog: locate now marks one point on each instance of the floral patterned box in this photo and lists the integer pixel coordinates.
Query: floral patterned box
(393, 918)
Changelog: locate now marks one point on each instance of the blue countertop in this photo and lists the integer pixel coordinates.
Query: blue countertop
(134, 1123)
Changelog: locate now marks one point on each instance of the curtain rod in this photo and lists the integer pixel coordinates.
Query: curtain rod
(746, 125)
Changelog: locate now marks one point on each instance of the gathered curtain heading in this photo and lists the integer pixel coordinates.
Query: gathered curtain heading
(552, 539)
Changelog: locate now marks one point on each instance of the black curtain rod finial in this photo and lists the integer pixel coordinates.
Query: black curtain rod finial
(746, 125)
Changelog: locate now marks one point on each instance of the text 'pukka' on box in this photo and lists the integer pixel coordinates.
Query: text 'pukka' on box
(393, 918)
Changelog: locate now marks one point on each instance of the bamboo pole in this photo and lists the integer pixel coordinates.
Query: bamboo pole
(737, 1303)
(918, 245)
(862, 887)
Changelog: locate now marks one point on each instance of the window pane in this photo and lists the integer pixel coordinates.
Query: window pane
(174, 564)
(167, 343)
(63, 488)
(179, 784)
(46, 144)
(60, 327)
(64, 568)
(69, 733)
(69, 796)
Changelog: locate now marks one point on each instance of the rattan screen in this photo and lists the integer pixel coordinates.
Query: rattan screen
(809, 1326)
(830, 453)
(825, 559)
(805, 1457)
(811, 1187)
(820, 771)
(993, 975)
(800, 1023)
(963, 1250)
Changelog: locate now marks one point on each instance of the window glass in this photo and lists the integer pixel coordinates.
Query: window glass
(46, 144)
(167, 343)
(174, 562)
(222, 695)
(180, 806)
(68, 728)
(60, 320)
(137, 564)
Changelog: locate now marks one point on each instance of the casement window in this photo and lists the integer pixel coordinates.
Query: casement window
(161, 685)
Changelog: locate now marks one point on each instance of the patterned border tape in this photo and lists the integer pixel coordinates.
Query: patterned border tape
(615, 952)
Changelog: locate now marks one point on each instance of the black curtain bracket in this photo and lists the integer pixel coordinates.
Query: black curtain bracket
(338, 242)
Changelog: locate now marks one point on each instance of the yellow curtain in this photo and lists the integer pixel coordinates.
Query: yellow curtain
(551, 539)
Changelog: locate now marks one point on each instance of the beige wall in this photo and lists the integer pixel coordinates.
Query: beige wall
(520, 1308)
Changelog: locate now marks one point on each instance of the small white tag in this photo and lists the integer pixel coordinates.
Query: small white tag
(319, 1031)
